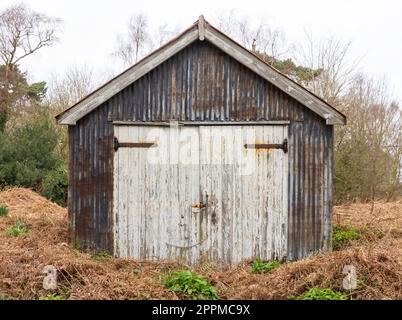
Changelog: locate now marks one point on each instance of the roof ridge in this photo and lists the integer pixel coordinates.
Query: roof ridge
(202, 30)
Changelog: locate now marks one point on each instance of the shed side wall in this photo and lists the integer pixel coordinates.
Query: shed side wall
(91, 182)
(201, 83)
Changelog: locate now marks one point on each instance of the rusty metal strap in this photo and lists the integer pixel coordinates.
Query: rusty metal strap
(283, 146)
(141, 145)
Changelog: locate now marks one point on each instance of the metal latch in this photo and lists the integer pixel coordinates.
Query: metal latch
(202, 206)
(117, 144)
(284, 146)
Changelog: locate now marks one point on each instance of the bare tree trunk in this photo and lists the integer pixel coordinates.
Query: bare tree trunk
(22, 33)
(4, 99)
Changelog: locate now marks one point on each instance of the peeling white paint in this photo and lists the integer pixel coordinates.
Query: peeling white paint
(201, 196)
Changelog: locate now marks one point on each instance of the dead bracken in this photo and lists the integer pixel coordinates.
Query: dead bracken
(378, 261)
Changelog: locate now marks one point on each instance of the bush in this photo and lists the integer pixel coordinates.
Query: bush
(55, 185)
(52, 297)
(101, 256)
(18, 229)
(3, 211)
(264, 267)
(29, 158)
(27, 153)
(341, 236)
(322, 294)
(191, 286)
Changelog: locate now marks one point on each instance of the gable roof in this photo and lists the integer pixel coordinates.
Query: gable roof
(201, 30)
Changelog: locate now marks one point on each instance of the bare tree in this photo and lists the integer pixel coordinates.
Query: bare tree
(332, 56)
(369, 149)
(162, 34)
(70, 87)
(133, 44)
(22, 33)
(139, 39)
(257, 37)
(64, 91)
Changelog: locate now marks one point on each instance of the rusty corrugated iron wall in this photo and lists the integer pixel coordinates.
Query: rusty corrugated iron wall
(91, 182)
(310, 186)
(201, 83)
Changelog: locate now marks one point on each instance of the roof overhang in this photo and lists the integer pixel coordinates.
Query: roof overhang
(201, 30)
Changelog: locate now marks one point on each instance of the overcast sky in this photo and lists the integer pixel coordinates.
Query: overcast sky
(90, 28)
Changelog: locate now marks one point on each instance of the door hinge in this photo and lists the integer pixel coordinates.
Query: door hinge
(117, 144)
(284, 146)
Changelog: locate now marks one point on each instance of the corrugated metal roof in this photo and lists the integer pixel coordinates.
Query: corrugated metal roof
(199, 31)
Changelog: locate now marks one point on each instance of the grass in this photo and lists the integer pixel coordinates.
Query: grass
(52, 297)
(3, 211)
(46, 222)
(342, 236)
(321, 294)
(19, 228)
(259, 266)
(189, 285)
(101, 256)
(370, 232)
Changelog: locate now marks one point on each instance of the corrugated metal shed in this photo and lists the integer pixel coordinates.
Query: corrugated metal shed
(203, 85)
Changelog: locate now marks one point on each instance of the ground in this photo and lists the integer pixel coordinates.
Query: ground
(377, 257)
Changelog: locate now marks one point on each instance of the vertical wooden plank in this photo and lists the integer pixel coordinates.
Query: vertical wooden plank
(207, 160)
(134, 196)
(237, 210)
(225, 215)
(271, 202)
(129, 196)
(284, 197)
(116, 219)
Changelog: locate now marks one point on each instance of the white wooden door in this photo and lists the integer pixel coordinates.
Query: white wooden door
(247, 192)
(153, 195)
(198, 194)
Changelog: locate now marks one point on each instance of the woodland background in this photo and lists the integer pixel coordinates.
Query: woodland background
(33, 148)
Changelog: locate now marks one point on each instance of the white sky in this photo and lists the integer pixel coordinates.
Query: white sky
(91, 26)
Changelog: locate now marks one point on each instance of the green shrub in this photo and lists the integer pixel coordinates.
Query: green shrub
(191, 286)
(371, 233)
(6, 297)
(101, 256)
(322, 294)
(3, 211)
(264, 267)
(55, 184)
(18, 229)
(29, 152)
(51, 297)
(342, 236)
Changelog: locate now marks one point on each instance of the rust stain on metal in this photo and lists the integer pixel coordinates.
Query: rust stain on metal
(199, 206)
(267, 146)
(184, 88)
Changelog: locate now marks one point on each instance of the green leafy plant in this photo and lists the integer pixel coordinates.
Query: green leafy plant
(342, 236)
(372, 233)
(53, 296)
(55, 185)
(259, 266)
(3, 211)
(30, 157)
(101, 256)
(19, 228)
(6, 297)
(190, 286)
(46, 222)
(321, 294)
